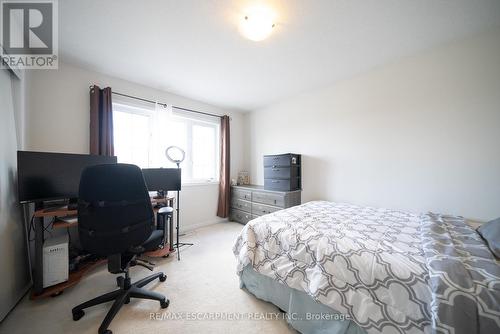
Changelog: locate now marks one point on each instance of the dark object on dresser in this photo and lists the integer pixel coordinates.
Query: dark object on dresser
(249, 202)
(282, 172)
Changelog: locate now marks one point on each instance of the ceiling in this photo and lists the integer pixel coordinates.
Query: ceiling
(193, 47)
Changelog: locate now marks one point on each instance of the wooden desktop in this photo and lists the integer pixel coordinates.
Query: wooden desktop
(76, 276)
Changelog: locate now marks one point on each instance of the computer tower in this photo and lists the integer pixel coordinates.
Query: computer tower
(55, 261)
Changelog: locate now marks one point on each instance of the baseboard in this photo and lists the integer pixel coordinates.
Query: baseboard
(201, 224)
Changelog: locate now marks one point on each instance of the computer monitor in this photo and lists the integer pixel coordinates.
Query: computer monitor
(43, 176)
(165, 179)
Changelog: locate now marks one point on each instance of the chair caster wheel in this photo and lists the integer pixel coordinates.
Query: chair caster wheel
(165, 303)
(163, 278)
(78, 315)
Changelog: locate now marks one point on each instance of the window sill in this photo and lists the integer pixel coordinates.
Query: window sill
(196, 184)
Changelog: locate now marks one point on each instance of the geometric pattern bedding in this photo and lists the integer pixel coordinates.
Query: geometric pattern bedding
(464, 277)
(380, 267)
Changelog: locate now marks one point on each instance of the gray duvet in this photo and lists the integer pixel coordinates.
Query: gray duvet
(389, 271)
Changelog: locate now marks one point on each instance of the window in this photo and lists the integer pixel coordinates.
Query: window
(142, 134)
(132, 134)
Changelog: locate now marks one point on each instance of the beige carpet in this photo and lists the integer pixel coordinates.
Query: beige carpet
(203, 281)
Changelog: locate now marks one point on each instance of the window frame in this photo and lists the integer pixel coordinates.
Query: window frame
(131, 109)
(190, 122)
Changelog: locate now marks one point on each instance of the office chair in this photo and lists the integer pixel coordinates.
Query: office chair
(115, 219)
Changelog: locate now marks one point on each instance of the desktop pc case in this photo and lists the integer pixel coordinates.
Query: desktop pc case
(55, 260)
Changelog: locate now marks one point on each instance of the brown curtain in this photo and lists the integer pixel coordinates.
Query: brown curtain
(225, 181)
(101, 121)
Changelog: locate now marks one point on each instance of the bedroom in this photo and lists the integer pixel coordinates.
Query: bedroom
(384, 117)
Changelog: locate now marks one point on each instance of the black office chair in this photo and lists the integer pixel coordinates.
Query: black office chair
(115, 219)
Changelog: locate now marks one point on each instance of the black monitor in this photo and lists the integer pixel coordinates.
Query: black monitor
(43, 176)
(166, 179)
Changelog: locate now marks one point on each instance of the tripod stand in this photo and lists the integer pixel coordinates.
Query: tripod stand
(177, 243)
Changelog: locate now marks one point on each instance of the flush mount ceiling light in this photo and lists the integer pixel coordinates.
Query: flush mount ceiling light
(257, 23)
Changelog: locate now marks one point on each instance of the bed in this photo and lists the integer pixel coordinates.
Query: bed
(384, 271)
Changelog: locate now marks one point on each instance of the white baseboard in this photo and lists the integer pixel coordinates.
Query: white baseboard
(195, 226)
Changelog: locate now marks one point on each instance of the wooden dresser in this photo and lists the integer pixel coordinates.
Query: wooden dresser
(249, 202)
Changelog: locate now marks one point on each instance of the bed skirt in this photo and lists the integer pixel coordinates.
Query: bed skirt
(302, 312)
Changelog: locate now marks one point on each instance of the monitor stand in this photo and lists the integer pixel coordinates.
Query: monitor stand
(49, 206)
(160, 194)
(73, 204)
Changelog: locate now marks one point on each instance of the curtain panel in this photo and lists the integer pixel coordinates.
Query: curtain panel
(225, 181)
(101, 121)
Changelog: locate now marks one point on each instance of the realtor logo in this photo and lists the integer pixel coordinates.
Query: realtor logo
(28, 34)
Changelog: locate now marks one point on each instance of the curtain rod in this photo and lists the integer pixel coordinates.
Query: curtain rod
(165, 105)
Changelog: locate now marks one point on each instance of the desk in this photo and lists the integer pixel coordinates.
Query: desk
(76, 276)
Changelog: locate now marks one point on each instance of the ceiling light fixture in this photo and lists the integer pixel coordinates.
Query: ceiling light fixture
(258, 23)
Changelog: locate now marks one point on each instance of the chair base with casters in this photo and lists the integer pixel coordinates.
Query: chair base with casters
(122, 296)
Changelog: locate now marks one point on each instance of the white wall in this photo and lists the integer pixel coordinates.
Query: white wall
(420, 134)
(58, 121)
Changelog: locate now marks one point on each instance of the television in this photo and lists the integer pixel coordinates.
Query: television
(162, 179)
(44, 176)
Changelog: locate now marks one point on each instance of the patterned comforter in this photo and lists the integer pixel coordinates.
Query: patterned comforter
(389, 271)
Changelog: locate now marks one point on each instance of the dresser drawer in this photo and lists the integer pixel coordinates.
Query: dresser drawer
(241, 204)
(262, 209)
(281, 185)
(240, 216)
(277, 160)
(281, 172)
(241, 194)
(269, 198)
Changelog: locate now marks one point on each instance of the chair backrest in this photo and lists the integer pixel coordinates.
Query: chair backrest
(114, 209)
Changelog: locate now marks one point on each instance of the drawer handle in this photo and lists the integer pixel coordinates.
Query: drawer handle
(275, 181)
(276, 169)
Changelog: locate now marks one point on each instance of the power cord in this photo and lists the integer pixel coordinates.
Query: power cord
(47, 228)
(31, 227)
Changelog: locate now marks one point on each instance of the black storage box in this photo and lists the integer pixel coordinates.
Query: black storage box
(282, 172)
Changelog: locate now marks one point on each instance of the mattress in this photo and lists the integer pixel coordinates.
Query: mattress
(390, 271)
